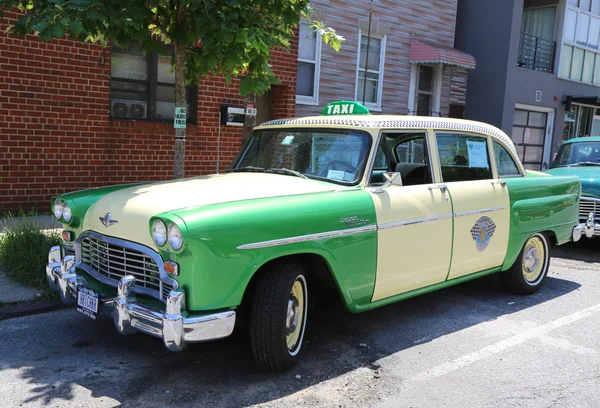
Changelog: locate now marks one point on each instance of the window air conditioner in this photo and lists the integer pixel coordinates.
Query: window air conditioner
(127, 109)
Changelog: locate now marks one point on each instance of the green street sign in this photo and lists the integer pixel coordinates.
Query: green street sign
(180, 118)
(345, 108)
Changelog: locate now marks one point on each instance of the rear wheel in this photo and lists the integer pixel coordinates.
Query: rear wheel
(278, 317)
(531, 267)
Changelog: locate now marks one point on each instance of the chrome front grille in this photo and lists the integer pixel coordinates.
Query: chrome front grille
(166, 290)
(588, 205)
(67, 250)
(110, 261)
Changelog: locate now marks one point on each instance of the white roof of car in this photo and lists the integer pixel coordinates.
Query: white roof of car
(397, 122)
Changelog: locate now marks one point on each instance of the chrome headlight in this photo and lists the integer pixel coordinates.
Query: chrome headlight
(159, 232)
(66, 212)
(58, 209)
(175, 237)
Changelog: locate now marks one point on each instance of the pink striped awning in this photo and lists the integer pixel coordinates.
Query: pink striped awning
(422, 52)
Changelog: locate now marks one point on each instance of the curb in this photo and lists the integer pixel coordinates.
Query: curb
(30, 308)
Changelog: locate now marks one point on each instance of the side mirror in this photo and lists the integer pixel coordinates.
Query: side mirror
(391, 179)
(394, 178)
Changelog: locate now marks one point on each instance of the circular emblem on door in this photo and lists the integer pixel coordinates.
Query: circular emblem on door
(482, 232)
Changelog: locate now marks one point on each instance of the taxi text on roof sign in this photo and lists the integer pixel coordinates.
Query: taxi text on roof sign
(345, 108)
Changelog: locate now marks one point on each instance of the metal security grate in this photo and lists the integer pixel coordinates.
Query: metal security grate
(536, 53)
(586, 206)
(114, 261)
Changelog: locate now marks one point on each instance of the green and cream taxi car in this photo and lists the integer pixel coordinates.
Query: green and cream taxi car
(380, 208)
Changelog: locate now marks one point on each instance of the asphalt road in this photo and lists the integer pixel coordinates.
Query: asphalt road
(472, 345)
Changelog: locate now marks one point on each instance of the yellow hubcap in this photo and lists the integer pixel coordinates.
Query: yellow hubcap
(295, 315)
(534, 258)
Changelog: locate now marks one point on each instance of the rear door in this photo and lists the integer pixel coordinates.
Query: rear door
(480, 202)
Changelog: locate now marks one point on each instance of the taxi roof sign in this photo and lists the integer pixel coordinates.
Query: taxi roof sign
(345, 108)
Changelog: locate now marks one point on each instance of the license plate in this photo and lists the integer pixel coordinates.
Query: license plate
(87, 302)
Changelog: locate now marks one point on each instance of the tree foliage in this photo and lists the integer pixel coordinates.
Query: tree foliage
(229, 37)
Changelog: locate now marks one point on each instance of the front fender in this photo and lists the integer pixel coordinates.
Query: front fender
(215, 269)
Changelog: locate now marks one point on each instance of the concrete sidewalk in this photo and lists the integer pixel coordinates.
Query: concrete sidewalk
(12, 292)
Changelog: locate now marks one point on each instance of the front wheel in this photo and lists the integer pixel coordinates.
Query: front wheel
(279, 313)
(531, 267)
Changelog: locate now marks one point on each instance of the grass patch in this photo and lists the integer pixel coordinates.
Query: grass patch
(24, 252)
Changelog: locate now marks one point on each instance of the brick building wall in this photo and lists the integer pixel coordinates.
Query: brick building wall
(56, 134)
(429, 20)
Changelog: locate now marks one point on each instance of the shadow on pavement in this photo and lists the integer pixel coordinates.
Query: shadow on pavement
(64, 354)
(586, 250)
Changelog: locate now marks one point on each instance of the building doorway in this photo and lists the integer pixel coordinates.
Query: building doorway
(532, 135)
(262, 105)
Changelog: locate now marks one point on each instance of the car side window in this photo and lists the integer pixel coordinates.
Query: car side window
(412, 161)
(381, 162)
(463, 157)
(504, 162)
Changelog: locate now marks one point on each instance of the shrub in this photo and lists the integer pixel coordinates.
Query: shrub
(24, 252)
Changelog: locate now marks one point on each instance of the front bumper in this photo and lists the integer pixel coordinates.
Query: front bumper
(589, 228)
(173, 325)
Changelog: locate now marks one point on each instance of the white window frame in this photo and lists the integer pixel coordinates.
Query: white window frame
(370, 105)
(303, 99)
(564, 41)
(414, 85)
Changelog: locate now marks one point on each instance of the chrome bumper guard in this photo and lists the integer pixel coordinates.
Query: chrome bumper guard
(173, 325)
(589, 228)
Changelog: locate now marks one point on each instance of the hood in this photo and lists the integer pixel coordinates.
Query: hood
(589, 176)
(133, 207)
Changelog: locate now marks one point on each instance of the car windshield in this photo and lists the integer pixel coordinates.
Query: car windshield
(332, 155)
(578, 154)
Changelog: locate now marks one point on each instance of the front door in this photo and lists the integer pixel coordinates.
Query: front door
(480, 203)
(532, 135)
(414, 220)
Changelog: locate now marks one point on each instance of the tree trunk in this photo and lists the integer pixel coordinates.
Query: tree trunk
(180, 102)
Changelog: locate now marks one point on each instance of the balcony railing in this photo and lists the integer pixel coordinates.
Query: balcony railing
(536, 53)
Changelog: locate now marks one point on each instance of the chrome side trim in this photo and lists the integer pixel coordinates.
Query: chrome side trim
(480, 211)
(414, 221)
(310, 237)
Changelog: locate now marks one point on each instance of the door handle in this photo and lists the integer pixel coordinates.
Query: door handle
(499, 181)
(442, 187)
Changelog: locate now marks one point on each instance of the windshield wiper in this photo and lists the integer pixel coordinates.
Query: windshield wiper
(247, 168)
(588, 163)
(283, 170)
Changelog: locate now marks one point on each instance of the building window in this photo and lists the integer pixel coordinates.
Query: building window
(536, 45)
(425, 90)
(142, 87)
(309, 61)
(374, 71)
(581, 121)
(580, 54)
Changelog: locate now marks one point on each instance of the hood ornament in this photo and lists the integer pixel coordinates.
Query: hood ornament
(107, 220)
